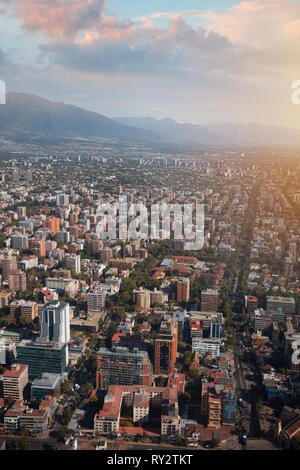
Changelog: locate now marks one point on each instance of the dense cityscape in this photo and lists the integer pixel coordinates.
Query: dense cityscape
(140, 344)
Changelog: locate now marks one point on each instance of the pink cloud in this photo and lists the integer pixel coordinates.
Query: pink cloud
(58, 19)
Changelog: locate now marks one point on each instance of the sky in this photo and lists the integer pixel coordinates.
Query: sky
(194, 61)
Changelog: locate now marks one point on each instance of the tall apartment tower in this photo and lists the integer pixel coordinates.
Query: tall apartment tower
(14, 381)
(96, 301)
(251, 304)
(166, 347)
(17, 280)
(55, 324)
(21, 211)
(53, 223)
(183, 290)
(143, 298)
(73, 263)
(209, 300)
(62, 200)
(119, 366)
(9, 263)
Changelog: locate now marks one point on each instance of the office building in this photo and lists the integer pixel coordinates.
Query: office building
(42, 356)
(48, 384)
(205, 346)
(285, 304)
(216, 329)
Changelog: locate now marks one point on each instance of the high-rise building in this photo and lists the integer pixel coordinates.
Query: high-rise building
(209, 300)
(143, 299)
(96, 301)
(106, 254)
(17, 280)
(19, 242)
(216, 329)
(73, 263)
(251, 304)
(63, 237)
(262, 320)
(119, 366)
(14, 381)
(166, 346)
(8, 351)
(53, 224)
(62, 200)
(8, 263)
(38, 248)
(55, 325)
(21, 211)
(183, 290)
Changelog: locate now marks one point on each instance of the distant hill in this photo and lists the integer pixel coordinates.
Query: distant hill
(28, 116)
(185, 132)
(217, 134)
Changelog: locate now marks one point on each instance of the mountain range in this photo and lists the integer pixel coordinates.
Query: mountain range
(213, 134)
(26, 117)
(29, 118)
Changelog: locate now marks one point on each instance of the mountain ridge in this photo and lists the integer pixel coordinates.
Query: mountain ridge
(224, 133)
(30, 118)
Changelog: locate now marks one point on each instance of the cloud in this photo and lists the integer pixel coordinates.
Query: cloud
(125, 47)
(58, 19)
(256, 22)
